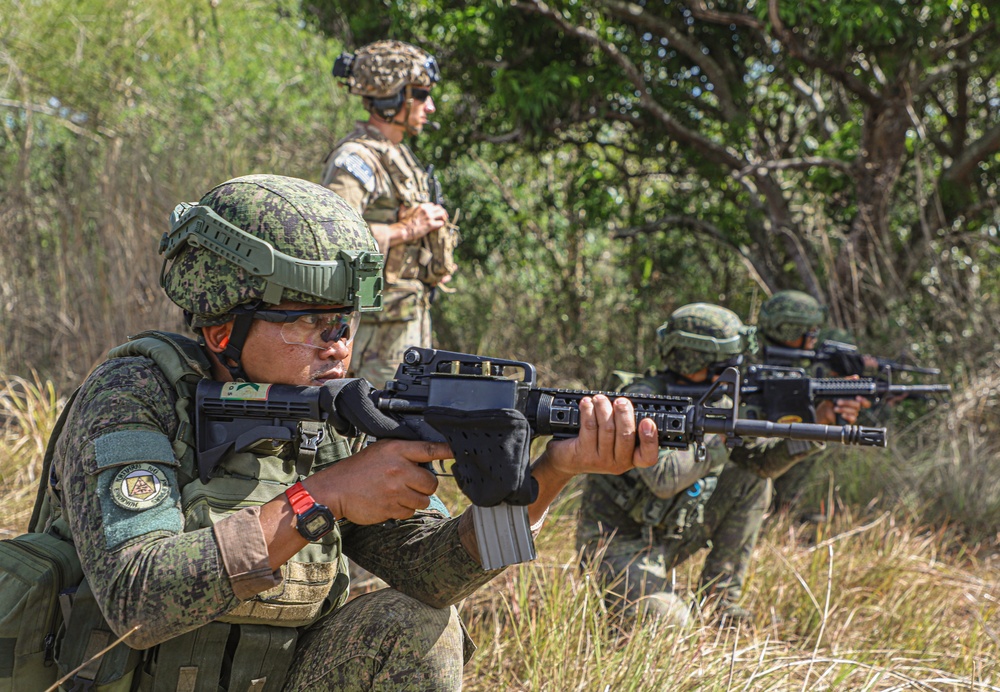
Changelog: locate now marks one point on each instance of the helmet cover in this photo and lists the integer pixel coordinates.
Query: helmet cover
(268, 238)
(787, 315)
(700, 335)
(380, 70)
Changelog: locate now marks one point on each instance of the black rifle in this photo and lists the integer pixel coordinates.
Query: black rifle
(434, 187)
(240, 416)
(837, 358)
(776, 393)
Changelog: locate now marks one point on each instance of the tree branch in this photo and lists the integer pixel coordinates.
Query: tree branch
(637, 15)
(962, 167)
(699, 226)
(837, 72)
(938, 52)
(802, 163)
(65, 122)
(712, 151)
(701, 11)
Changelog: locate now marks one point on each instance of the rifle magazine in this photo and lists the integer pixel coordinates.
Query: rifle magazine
(503, 533)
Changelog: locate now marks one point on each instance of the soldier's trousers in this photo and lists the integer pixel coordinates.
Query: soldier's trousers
(384, 640)
(790, 486)
(635, 568)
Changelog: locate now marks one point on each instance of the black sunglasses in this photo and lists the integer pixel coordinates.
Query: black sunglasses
(419, 94)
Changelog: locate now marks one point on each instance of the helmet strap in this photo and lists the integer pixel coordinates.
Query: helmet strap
(407, 107)
(234, 345)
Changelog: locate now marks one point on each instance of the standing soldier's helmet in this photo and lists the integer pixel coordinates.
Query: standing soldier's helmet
(255, 241)
(385, 73)
(787, 315)
(702, 335)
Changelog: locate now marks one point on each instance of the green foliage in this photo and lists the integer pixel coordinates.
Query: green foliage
(114, 112)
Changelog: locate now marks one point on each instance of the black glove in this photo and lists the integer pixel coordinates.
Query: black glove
(352, 410)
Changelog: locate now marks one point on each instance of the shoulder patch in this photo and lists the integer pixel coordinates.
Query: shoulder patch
(129, 446)
(356, 166)
(139, 486)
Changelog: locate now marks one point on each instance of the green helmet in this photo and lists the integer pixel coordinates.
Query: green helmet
(787, 315)
(702, 335)
(264, 239)
(381, 72)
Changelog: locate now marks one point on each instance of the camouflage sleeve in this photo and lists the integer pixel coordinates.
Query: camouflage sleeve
(422, 556)
(117, 479)
(352, 176)
(770, 457)
(677, 469)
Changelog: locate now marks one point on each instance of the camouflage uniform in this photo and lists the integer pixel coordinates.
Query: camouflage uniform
(186, 560)
(678, 506)
(380, 179)
(357, 170)
(635, 528)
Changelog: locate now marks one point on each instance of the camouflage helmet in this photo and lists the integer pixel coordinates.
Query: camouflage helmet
(381, 71)
(787, 315)
(267, 239)
(700, 335)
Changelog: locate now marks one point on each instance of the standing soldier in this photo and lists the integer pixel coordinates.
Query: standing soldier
(380, 177)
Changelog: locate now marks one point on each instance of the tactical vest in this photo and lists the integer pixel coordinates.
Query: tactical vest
(669, 518)
(252, 646)
(430, 258)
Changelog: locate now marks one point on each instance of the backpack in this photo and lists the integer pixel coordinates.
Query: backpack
(39, 571)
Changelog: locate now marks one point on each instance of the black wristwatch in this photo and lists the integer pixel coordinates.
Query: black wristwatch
(312, 519)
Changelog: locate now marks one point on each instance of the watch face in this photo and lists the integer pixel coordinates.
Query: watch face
(315, 523)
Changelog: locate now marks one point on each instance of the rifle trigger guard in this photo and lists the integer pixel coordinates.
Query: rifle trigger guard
(700, 452)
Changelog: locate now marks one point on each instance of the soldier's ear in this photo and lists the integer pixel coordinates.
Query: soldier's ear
(217, 336)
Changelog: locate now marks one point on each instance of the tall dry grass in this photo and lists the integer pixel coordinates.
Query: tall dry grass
(879, 603)
(28, 411)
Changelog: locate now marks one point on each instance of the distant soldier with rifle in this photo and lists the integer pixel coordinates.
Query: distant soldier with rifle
(635, 528)
(228, 572)
(788, 326)
(378, 175)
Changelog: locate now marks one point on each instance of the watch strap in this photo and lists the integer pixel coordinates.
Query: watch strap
(299, 498)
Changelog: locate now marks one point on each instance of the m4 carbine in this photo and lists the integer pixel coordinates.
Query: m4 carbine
(776, 393)
(836, 358)
(486, 409)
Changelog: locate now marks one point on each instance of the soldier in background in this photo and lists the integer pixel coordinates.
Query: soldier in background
(374, 170)
(635, 528)
(795, 319)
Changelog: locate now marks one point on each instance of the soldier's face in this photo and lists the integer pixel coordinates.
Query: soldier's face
(268, 358)
(807, 341)
(420, 108)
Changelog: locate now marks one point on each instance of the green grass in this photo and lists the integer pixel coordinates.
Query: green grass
(874, 600)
